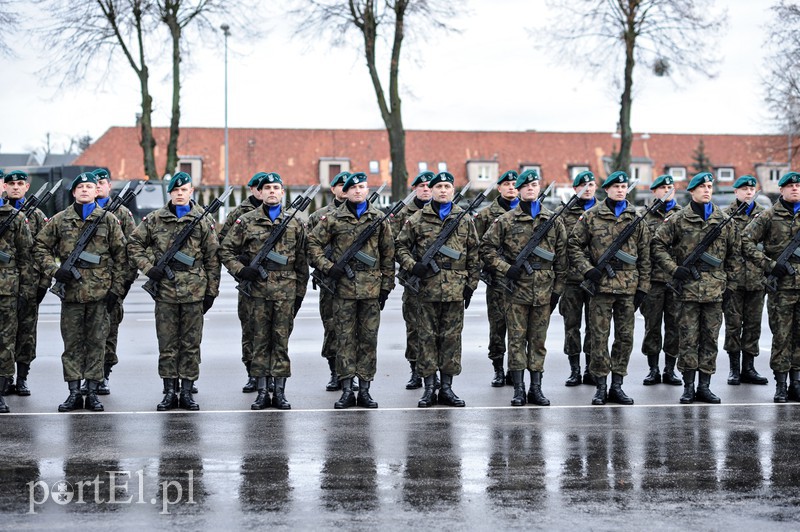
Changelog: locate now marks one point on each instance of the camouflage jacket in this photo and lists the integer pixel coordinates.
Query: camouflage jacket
(418, 233)
(127, 224)
(504, 241)
(570, 218)
(37, 220)
(340, 228)
(773, 229)
(16, 263)
(154, 236)
(593, 234)
(247, 236)
(314, 217)
(484, 219)
(399, 219)
(678, 237)
(58, 238)
(750, 276)
(654, 221)
(243, 208)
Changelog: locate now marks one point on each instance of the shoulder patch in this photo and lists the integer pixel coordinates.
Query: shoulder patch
(238, 220)
(323, 217)
(144, 219)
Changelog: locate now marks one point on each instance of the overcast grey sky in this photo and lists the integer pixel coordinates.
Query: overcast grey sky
(489, 77)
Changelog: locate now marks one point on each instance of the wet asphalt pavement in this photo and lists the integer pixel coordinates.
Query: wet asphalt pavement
(487, 466)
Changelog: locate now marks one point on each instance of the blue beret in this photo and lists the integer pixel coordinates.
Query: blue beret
(528, 176)
(86, 177)
(745, 181)
(583, 178)
(510, 175)
(340, 178)
(702, 177)
(617, 177)
(102, 173)
(256, 178)
(270, 178)
(441, 177)
(662, 180)
(791, 177)
(178, 180)
(354, 179)
(16, 175)
(423, 177)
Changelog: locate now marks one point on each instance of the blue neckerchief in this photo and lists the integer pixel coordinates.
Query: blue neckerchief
(274, 211)
(103, 201)
(536, 208)
(669, 205)
(796, 207)
(513, 203)
(19, 203)
(620, 207)
(87, 209)
(589, 204)
(182, 210)
(2, 202)
(361, 208)
(707, 210)
(444, 209)
(750, 208)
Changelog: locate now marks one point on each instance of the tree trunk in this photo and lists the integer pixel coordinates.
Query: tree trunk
(174, 124)
(626, 101)
(148, 142)
(397, 151)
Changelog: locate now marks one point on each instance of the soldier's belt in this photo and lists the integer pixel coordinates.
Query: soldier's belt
(453, 266)
(539, 266)
(361, 267)
(618, 265)
(273, 267)
(5, 258)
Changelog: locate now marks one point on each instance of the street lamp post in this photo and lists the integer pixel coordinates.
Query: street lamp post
(226, 31)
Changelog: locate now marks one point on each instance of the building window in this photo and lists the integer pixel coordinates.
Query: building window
(678, 173)
(423, 166)
(442, 167)
(725, 174)
(536, 167)
(374, 167)
(329, 167)
(575, 170)
(193, 166)
(482, 174)
(775, 174)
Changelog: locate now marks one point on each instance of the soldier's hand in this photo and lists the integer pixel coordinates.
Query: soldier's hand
(467, 296)
(111, 301)
(63, 275)
(594, 275)
(22, 305)
(249, 274)
(682, 273)
(156, 273)
(126, 288)
(420, 270)
(336, 272)
(779, 271)
(40, 293)
(554, 297)
(244, 259)
(382, 297)
(298, 302)
(514, 272)
(638, 299)
(726, 296)
(208, 302)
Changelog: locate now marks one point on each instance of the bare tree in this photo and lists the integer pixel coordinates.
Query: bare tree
(670, 37)
(377, 22)
(8, 21)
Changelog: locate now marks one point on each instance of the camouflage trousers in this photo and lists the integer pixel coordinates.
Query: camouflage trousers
(84, 328)
(114, 319)
(573, 304)
(496, 309)
(743, 311)
(8, 335)
(527, 331)
(26, 333)
(328, 323)
(440, 326)
(271, 323)
(179, 328)
(660, 305)
(699, 326)
(783, 309)
(602, 309)
(244, 309)
(410, 316)
(357, 337)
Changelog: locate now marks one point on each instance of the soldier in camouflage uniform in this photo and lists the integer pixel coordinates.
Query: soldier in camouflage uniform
(88, 300)
(182, 302)
(744, 306)
(276, 300)
(617, 297)
(701, 300)
(410, 301)
(442, 296)
(774, 229)
(661, 304)
(17, 185)
(325, 297)
(357, 302)
(17, 286)
(574, 301)
(495, 295)
(535, 296)
(250, 203)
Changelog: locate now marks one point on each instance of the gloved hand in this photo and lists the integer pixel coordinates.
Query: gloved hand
(554, 297)
(514, 272)
(244, 259)
(638, 299)
(40, 293)
(336, 272)
(382, 297)
(208, 302)
(779, 271)
(467, 296)
(63, 275)
(726, 296)
(126, 288)
(298, 301)
(420, 270)
(249, 274)
(111, 300)
(594, 275)
(156, 273)
(682, 273)
(22, 305)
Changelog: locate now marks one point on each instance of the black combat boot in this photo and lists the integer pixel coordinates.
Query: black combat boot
(262, 399)
(509, 378)
(734, 377)
(446, 395)
(749, 375)
(334, 384)
(704, 393)
(176, 386)
(102, 387)
(271, 384)
(22, 379)
(194, 388)
(186, 400)
(616, 394)
(8, 388)
(3, 406)
(415, 381)
(499, 379)
(574, 370)
(428, 398)
(535, 395)
(794, 386)
(654, 377)
(354, 386)
(279, 398)
(170, 400)
(75, 399)
(348, 398)
(251, 385)
(688, 387)
(85, 387)
(588, 378)
(669, 376)
(437, 384)
(519, 387)
(92, 402)
(781, 392)
(364, 399)
(600, 395)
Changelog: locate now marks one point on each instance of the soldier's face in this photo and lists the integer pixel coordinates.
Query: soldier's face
(272, 193)
(181, 195)
(507, 190)
(103, 188)
(617, 191)
(702, 193)
(443, 192)
(591, 188)
(423, 192)
(16, 189)
(255, 192)
(791, 192)
(338, 193)
(85, 193)
(663, 191)
(357, 192)
(529, 191)
(745, 194)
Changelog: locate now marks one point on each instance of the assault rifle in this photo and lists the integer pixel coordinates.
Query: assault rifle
(354, 251)
(34, 201)
(267, 253)
(5, 257)
(376, 194)
(174, 250)
(784, 259)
